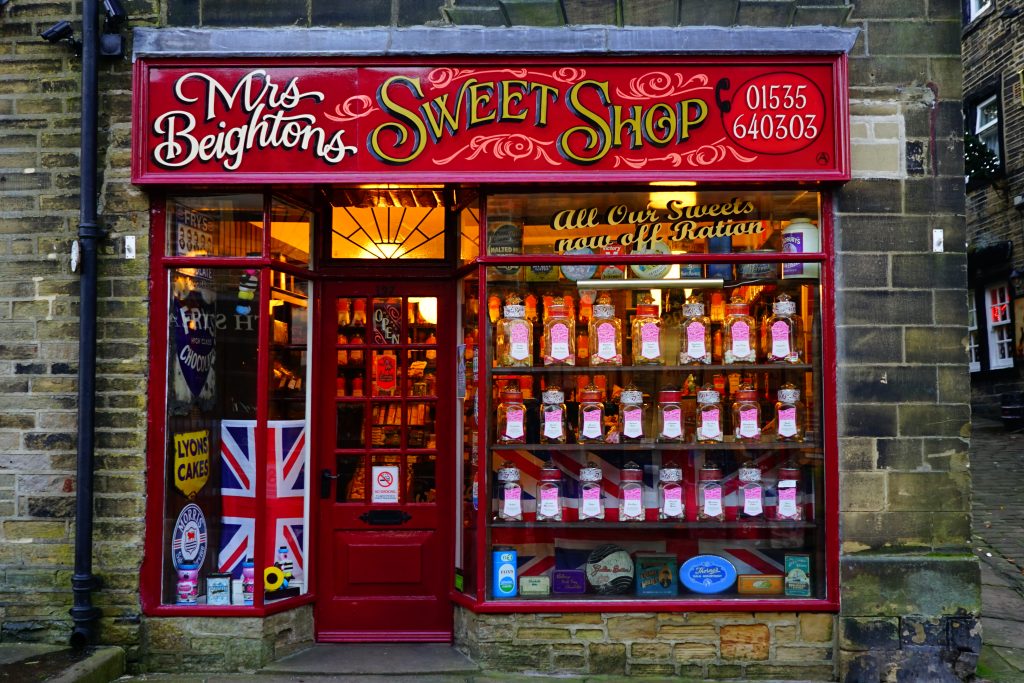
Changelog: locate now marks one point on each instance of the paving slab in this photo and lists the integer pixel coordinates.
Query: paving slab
(375, 658)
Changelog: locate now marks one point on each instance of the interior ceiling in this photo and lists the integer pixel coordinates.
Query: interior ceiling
(409, 197)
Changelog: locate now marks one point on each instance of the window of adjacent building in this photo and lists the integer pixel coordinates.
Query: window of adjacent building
(986, 123)
(976, 7)
(973, 348)
(1000, 329)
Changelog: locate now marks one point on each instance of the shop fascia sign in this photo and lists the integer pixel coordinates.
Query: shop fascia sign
(766, 119)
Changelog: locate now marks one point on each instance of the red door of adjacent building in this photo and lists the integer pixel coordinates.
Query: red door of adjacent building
(384, 465)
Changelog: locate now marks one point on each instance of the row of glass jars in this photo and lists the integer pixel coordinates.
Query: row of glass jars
(671, 505)
(780, 341)
(632, 426)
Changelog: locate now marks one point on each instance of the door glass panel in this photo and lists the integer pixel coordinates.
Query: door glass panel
(420, 419)
(221, 225)
(421, 312)
(388, 223)
(387, 373)
(290, 228)
(422, 364)
(350, 485)
(350, 425)
(386, 431)
(387, 321)
(421, 474)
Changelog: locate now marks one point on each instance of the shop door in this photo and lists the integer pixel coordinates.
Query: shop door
(385, 463)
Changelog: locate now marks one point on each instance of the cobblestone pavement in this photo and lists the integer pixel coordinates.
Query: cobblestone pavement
(997, 466)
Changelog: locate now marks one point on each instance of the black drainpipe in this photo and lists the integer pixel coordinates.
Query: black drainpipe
(83, 613)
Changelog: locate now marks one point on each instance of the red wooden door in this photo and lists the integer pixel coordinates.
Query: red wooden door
(385, 465)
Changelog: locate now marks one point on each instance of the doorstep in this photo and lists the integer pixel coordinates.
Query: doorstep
(368, 659)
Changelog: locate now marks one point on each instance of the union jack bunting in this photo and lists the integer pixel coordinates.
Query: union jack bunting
(286, 491)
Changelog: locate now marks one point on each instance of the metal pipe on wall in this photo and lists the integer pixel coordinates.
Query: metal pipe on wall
(83, 614)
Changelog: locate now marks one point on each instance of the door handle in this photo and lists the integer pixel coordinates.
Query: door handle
(325, 482)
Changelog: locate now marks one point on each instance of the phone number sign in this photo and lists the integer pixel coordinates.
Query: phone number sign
(757, 118)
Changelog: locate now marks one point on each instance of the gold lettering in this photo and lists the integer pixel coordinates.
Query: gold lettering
(415, 127)
(480, 95)
(597, 138)
(510, 98)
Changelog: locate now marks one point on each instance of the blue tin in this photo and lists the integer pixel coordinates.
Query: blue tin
(707, 574)
(504, 567)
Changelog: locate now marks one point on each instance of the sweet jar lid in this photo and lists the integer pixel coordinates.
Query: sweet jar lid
(710, 473)
(737, 308)
(591, 474)
(669, 396)
(750, 474)
(789, 472)
(631, 475)
(746, 395)
(649, 310)
(670, 473)
(591, 393)
(549, 473)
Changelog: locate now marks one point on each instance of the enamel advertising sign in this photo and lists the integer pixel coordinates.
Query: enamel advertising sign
(764, 118)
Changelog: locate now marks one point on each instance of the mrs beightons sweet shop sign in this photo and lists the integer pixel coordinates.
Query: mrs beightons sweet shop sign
(769, 118)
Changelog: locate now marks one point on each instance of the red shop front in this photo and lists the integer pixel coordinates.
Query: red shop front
(553, 336)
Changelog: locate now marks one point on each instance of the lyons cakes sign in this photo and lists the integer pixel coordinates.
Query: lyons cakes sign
(763, 119)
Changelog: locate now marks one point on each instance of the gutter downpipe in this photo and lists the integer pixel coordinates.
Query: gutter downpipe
(83, 614)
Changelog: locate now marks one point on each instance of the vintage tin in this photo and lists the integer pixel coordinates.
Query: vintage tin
(707, 574)
(759, 584)
(218, 589)
(656, 574)
(568, 581)
(534, 586)
(798, 576)
(505, 569)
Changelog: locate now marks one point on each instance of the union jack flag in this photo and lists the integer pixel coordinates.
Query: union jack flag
(286, 494)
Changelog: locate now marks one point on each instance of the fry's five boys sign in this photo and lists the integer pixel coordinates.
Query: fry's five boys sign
(769, 118)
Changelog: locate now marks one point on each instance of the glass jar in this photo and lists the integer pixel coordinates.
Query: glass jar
(591, 503)
(694, 334)
(710, 506)
(344, 312)
(670, 493)
(510, 494)
(558, 345)
(355, 356)
(359, 314)
(514, 336)
(670, 416)
(591, 418)
(746, 415)
(789, 417)
(511, 415)
(739, 340)
(531, 307)
(605, 334)
(632, 414)
(788, 507)
(549, 494)
(751, 492)
(709, 415)
(782, 338)
(631, 502)
(647, 333)
(552, 416)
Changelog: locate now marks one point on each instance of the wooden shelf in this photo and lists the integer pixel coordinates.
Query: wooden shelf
(599, 369)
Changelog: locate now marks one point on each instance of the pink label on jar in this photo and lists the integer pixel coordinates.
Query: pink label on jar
(695, 347)
(787, 500)
(632, 420)
(549, 501)
(519, 341)
(748, 423)
(650, 341)
(591, 505)
(713, 501)
(606, 341)
(709, 426)
(780, 339)
(633, 502)
(752, 501)
(787, 422)
(672, 505)
(514, 423)
(592, 424)
(553, 423)
(740, 332)
(559, 342)
(673, 425)
(513, 506)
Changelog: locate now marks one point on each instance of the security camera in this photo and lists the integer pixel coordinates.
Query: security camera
(115, 13)
(62, 30)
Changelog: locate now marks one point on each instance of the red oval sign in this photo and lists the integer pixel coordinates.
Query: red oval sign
(775, 113)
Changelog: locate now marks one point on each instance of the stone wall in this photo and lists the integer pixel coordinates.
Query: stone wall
(694, 645)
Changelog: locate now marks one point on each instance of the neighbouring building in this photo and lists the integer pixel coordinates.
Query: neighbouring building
(993, 105)
(612, 337)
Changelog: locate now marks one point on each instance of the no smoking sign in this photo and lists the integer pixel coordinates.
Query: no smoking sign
(385, 484)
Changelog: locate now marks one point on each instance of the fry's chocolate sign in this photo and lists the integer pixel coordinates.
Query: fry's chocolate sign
(769, 118)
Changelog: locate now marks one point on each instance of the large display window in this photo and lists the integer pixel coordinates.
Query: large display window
(233, 443)
(652, 427)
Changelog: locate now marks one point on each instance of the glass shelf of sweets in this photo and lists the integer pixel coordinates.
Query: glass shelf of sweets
(678, 423)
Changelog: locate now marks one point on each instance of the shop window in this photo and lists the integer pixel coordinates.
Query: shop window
(986, 124)
(654, 429)
(235, 428)
(973, 346)
(1000, 328)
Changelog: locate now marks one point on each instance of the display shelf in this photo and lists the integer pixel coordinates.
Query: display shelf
(780, 525)
(653, 369)
(729, 446)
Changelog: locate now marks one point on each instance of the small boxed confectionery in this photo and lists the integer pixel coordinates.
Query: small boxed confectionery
(568, 581)
(656, 574)
(798, 576)
(534, 586)
(759, 584)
